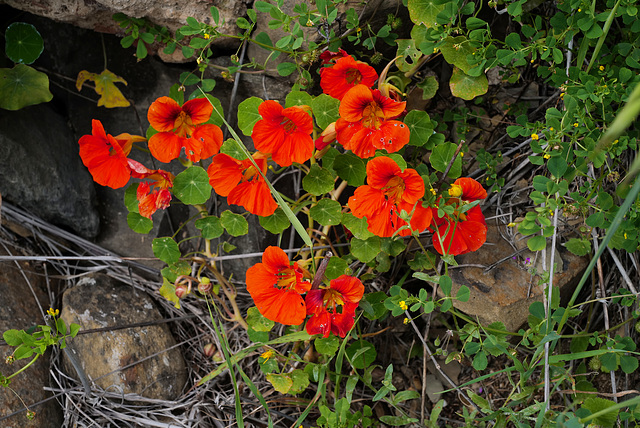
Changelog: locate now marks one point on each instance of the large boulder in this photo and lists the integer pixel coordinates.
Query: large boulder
(138, 360)
(173, 14)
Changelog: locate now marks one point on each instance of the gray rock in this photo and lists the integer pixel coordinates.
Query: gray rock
(501, 295)
(20, 311)
(173, 14)
(99, 302)
(41, 171)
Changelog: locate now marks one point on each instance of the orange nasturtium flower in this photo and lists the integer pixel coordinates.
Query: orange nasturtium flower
(183, 126)
(152, 195)
(106, 156)
(389, 191)
(276, 286)
(465, 231)
(284, 133)
(241, 183)
(365, 122)
(344, 75)
(333, 309)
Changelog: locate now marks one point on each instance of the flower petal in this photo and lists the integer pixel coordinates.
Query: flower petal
(211, 138)
(165, 146)
(354, 103)
(198, 109)
(162, 114)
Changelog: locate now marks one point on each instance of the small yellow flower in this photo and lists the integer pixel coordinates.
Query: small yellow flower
(551, 129)
(435, 50)
(206, 36)
(461, 154)
(547, 156)
(615, 141)
(512, 224)
(579, 10)
(309, 23)
(405, 321)
(433, 191)
(625, 235)
(601, 68)
(455, 191)
(403, 305)
(534, 137)
(562, 95)
(531, 61)
(53, 312)
(267, 355)
(575, 125)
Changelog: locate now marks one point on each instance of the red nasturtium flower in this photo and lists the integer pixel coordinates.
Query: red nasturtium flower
(333, 309)
(344, 75)
(284, 133)
(276, 286)
(106, 156)
(241, 183)
(389, 191)
(153, 195)
(365, 122)
(183, 126)
(465, 231)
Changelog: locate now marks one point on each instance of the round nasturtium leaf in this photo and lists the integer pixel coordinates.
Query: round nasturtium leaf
(166, 249)
(23, 43)
(23, 86)
(467, 87)
(192, 186)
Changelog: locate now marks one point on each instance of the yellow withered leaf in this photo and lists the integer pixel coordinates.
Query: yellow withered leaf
(110, 95)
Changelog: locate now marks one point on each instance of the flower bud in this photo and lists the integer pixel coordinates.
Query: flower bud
(209, 349)
(181, 291)
(205, 287)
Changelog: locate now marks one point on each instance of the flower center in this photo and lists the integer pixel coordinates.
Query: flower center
(372, 115)
(249, 173)
(353, 76)
(331, 300)
(286, 278)
(288, 125)
(394, 189)
(183, 124)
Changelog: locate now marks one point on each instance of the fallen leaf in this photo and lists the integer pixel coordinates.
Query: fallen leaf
(110, 95)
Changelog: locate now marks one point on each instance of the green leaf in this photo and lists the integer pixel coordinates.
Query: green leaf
(13, 337)
(357, 226)
(455, 51)
(596, 404)
(361, 354)
(131, 198)
(350, 168)
(579, 247)
(138, 223)
(318, 181)
(557, 166)
(327, 346)
(168, 291)
(373, 305)
(537, 243)
(628, 363)
(300, 381)
(23, 43)
(230, 147)
(429, 88)
(467, 87)
(336, 267)
(210, 227)
(441, 157)
(480, 361)
(166, 249)
(421, 127)
(479, 401)
(286, 68)
(23, 86)
(463, 294)
(258, 322)
(275, 223)
(327, 212)
(397, 421)
(235, 224)
(365, 250)
(173, 271)
(248, 114)
(425, 11)
(325, 110)
(280, 382)
(298, 98)
(192, 186)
